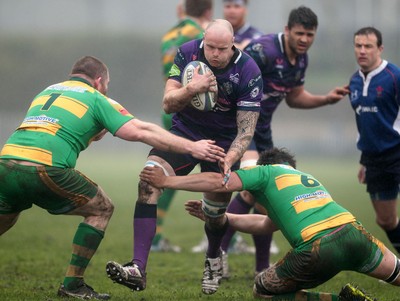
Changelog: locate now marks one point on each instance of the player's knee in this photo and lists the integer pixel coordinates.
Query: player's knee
(106, 205)
(147, 194)
(110, 208)
(7, 222)
(387, 223)
(247, 197)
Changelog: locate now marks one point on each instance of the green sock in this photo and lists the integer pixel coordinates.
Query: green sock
(85, 243)
(162, 207)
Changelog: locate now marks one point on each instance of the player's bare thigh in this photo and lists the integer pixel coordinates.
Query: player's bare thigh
(386, 267)
(249, 155)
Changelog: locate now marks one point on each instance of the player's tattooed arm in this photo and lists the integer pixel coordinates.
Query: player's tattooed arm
(246, 123)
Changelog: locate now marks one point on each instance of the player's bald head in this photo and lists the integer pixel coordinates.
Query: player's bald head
(219, 27)
(218, 43)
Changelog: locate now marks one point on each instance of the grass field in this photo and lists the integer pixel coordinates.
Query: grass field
(35, 253)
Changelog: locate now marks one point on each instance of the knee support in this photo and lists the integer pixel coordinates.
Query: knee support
(396, 272)
(213, 209)
(154, 163)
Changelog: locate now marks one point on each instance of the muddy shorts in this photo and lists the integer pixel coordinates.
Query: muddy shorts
(348, 247)
(58, 190)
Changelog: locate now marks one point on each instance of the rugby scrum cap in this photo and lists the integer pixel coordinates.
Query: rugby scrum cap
(238, 2)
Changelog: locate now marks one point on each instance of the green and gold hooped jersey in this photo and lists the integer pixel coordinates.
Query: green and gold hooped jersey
(61, 122)
(183, 32)
(296, 202)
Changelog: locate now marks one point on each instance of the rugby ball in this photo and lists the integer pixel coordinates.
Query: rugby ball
(201, 101)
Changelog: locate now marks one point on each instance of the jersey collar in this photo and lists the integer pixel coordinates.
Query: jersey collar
(80, 79)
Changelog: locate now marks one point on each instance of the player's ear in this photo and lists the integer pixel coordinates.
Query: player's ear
(286, 30)
(97, 82)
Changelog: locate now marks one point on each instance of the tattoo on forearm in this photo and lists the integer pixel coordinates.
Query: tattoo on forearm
(246, 122)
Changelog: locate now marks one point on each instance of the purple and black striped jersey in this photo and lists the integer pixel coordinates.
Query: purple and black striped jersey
(279, 75)
(375, 99)
(239, 88)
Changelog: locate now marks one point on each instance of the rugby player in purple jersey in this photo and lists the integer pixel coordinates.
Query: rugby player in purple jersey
(235, 11)
(231, 124)
(283, 61)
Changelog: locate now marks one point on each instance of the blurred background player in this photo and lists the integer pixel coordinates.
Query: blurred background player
(375, 98)
(193, 16)
(283, 60)
(235, 11)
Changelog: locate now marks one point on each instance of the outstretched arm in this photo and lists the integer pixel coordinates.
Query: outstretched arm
(257, 224)
(302, 99)
(201, 182)
(154, 135)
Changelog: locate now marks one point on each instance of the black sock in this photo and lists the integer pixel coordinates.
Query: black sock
(394, 237)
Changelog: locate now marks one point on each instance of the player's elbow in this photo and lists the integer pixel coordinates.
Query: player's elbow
(167, 108)
(132, 131)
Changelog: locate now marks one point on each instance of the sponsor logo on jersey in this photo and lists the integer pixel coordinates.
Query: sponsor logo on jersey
(312, 196)
(248, 104)
(255, 92)
(253, 81)
(234, 78)
(42, 119)
(354, 95)
(366, 109)
(174, 70)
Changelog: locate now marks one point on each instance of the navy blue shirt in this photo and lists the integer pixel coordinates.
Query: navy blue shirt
(375, 98)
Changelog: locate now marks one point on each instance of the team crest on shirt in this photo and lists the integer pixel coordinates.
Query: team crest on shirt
(228, 87)
(379, 91)
(279, 63)
(257, 47)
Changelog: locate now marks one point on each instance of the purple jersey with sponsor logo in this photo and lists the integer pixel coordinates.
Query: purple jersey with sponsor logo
(239, 88)
(279, 75)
